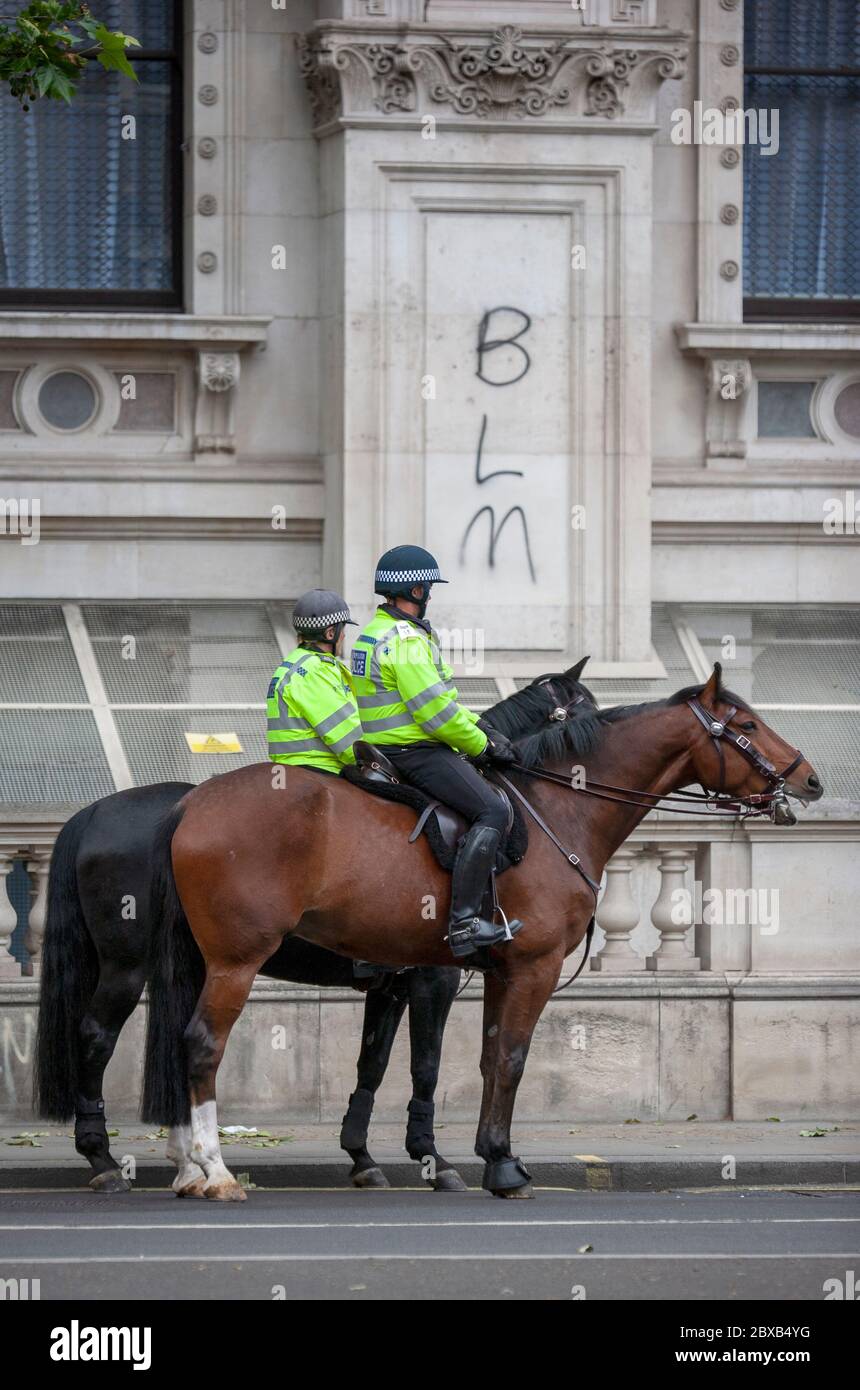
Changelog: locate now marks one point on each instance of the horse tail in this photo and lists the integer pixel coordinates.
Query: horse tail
(70, 972)
(175, 979)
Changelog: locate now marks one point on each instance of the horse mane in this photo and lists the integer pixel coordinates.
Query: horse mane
(523, 717)
(580, 734)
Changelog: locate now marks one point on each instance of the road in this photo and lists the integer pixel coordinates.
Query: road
(414, 1245)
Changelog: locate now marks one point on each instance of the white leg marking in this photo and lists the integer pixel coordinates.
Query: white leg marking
(206, 1149)
(179, 1151)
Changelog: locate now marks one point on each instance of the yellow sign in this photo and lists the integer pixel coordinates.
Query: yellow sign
(213, 743)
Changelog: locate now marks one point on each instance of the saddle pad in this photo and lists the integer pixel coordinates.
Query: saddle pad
(514, 849)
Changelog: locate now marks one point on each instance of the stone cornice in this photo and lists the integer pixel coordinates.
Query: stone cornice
(595, 79)
(226, 332)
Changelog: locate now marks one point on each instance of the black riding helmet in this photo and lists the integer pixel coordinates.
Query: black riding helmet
(399, 570)
(318, 610)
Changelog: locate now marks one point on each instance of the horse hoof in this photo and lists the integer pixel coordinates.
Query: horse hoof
(195, 1188)
(110, 1182)
(517, 1193)
(448, 1180)
(225, 1190)
(507, 1177)
(370, 1177)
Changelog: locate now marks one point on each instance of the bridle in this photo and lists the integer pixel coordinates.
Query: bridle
(754, 804)
(719, 731)
(768, 803)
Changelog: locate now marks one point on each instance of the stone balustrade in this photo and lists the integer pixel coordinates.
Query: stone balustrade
(724, 982)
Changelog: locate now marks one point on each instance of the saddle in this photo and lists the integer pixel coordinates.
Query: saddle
(441, 824)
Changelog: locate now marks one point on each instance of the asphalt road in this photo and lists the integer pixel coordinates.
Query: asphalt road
(405, 1245)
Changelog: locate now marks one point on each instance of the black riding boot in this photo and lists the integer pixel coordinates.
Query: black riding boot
(468, 930)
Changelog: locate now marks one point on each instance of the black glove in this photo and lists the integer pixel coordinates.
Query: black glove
(499, 750)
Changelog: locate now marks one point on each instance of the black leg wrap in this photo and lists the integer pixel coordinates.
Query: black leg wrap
(89, 1117)
(353, 1134)
(505, 1174)
(419, 1129)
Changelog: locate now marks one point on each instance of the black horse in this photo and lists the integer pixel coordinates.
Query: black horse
(95, 960)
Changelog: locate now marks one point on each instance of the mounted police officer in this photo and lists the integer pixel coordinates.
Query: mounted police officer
(312, 714)
(408, 705)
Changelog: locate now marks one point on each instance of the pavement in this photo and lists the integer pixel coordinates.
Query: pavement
(413, 1246)
(620, 1157)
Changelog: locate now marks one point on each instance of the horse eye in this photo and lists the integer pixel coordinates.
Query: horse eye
(749, 726)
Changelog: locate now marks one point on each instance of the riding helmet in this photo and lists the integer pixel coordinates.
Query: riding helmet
(319, 609)
(400, 569)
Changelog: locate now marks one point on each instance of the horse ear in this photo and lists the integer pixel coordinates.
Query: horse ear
(574, 672)
(714, 684)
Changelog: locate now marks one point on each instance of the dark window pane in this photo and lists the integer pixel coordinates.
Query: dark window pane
(802, 205)
(81, 208)
(150, 21)
(783, 409)
(67, 400)
(801, 34)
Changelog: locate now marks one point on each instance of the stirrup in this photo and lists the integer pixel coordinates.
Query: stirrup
(474, 933)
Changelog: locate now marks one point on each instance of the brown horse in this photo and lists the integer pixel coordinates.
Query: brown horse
(322, 858)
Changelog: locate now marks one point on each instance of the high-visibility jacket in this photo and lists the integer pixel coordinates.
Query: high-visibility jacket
(312, 715)
(405, 691)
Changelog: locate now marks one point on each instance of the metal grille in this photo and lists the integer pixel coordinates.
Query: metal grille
(478, 694)
(785, 655)
(154, 742)
(183, 652)
(670, 652)
(50, 756)
(830, 741)
(36, 658)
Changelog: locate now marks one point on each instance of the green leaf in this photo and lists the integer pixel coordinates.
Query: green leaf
(61, 86)
(44, 77)
(116, 62)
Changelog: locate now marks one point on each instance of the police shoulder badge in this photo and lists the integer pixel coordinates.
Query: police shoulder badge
(359, 661)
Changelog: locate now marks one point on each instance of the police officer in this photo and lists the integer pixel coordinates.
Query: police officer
(313, 718)
(408, 705)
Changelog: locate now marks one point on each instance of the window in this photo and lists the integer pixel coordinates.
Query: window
(802, 205)
(88, 216)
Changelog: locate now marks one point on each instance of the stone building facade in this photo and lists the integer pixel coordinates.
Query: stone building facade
(441, 270)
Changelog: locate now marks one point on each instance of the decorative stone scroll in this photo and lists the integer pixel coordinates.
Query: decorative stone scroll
(508, 75)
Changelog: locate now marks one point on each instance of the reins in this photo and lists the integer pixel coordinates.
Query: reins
(755, 804)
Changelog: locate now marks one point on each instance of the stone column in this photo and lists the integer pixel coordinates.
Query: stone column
(9, 967)
(672, 913)
(38, 868)
(618, 916)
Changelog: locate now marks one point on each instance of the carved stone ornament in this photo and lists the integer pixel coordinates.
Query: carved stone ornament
(729, 378)
(219, 371)
(500, 77)
(510, 75)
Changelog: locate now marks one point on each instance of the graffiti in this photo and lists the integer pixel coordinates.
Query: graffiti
(496, 531)
(488, 345)
(493, 344)
(12, 1052)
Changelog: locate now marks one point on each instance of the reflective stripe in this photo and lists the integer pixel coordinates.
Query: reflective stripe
(383, 700)
(331, 721)
(442, 717)
(394, 721)
(303, 745)
(287, 721)
(431, 693)
(346, 742)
